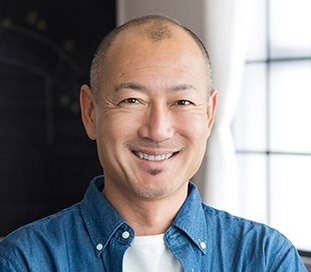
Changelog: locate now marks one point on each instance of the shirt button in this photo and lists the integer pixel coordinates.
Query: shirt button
(99, 247)
(203, 245)
(125, 234)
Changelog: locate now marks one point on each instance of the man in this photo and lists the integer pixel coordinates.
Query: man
(150, 109)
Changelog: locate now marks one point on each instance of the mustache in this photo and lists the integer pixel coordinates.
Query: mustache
(147, 143)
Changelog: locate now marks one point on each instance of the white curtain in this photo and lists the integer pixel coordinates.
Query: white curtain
(227, 28)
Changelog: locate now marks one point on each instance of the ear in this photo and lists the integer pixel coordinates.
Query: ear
(211, 108)
(87, 104)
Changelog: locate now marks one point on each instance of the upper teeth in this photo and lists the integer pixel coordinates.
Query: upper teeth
(153, 157)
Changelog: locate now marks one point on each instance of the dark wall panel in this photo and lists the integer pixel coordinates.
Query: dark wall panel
(46, 159)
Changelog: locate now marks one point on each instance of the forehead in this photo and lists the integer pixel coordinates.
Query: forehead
(134, 46)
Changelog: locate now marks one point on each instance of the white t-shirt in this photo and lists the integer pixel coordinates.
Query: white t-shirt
(150, 254)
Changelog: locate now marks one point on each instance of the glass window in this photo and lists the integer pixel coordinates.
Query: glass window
(290, 198)
(253, 186)
(272, 127)
(290, 23)
(290, 106)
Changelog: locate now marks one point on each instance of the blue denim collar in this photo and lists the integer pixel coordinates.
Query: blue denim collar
(102, 220)
(191, 218)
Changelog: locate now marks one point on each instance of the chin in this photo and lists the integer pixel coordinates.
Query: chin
(158, 188)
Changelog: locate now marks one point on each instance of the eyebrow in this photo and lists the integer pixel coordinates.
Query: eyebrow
(183, 87)
(139, 87)
(130, 85)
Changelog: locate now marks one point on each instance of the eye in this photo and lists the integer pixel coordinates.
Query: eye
(130, 101)
(183, 103)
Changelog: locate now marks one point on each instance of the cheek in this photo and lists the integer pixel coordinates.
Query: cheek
(195, 131)
(194, 127)
(117, 128)
(110, 139)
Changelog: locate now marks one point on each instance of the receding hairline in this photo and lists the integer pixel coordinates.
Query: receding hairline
(156, 28)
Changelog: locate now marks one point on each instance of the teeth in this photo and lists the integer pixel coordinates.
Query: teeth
(159, 157)
(154, 157)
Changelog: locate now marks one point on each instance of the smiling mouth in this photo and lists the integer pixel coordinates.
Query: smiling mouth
(148, 157)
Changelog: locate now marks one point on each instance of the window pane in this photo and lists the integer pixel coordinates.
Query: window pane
(249, 127)
(290, 198)
(257, 49)
(253, 187)
(290, 110)
(290, 28)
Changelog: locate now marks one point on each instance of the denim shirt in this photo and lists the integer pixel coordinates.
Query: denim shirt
(89, 236)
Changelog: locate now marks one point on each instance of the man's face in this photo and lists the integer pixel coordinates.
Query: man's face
(152, 119)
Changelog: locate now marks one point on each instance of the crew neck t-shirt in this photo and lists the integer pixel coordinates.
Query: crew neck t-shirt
(150, 254)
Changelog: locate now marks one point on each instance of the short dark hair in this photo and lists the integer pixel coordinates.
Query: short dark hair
(157, 30)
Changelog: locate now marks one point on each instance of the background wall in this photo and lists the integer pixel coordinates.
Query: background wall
(46, 159)
(189, 13)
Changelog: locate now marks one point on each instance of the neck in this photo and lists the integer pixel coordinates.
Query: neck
(146, 216)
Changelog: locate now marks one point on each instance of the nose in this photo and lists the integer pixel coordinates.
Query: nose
(157, 124)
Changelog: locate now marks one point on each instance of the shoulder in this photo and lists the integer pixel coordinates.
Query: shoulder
(48, 225)
(245, 239)
(235, 224)
(240, 228)
(39, 238)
